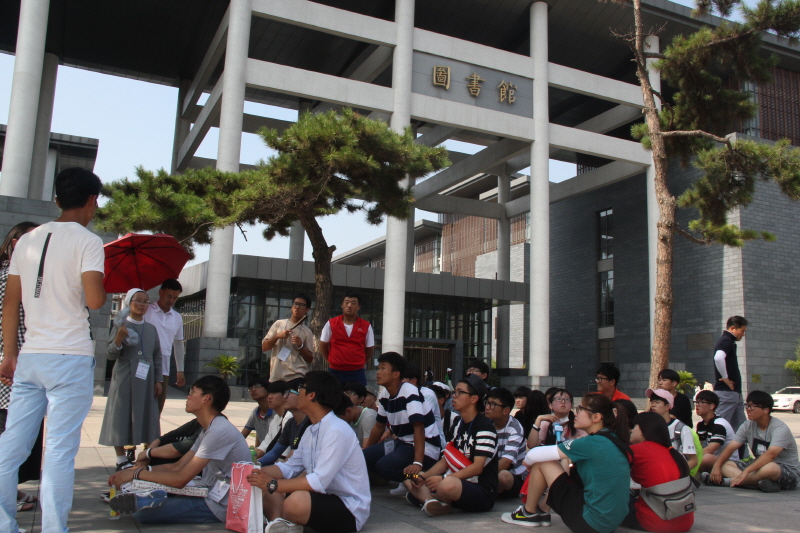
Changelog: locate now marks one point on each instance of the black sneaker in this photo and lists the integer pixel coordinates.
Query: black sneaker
(125, 465)
(412, 500)
(130, 502)
(519, 518)
(767, 485)
(544, 518)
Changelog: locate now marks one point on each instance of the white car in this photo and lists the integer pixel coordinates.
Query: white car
(787, 399)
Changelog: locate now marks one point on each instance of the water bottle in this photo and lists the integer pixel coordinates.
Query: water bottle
(559, 432)
(253, 453)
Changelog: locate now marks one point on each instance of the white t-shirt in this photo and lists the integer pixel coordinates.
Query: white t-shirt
(57, 320)
(686, 443)
(170, 329)
(325, 336)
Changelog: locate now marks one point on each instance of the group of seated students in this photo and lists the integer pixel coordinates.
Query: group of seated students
(598, 464)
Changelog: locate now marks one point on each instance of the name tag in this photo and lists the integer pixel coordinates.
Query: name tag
(284, 354)
(142, 370)
(388, 446)
(220, 490)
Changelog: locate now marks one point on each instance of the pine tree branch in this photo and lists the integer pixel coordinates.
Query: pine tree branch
(683, 233)
(195, 231)
(654, 55)
(696, 133)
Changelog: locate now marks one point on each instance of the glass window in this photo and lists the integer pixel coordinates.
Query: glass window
(605, 349)
(606, 299)
(605, 234)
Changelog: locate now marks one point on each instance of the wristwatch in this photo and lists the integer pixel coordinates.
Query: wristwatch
(272, 486)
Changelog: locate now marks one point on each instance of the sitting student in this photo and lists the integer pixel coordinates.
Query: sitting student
(324, 484)
(449, 418)
(292, 429)
(361, 418)
(596, 500)
(536, 405)
(775, 465)
(262, 415)
(544, 427)
(655, 461)
(171, 446)
(417, 444)
(682, 436)
(219, 445)
(511, 447)
(478, 367)
(714, 432)
(607, 382)
(668, 380)
(276, 401)
(371, 400)
(466, 477)
(520, 398)
(414, 376)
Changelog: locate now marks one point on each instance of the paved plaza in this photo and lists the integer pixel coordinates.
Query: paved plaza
(719, 508)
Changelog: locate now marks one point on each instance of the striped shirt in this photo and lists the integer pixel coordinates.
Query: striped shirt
(478, 438)
(511, 445)
(402, 411)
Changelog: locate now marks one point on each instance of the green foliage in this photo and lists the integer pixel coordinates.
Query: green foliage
(794, 365)
(226, 365)
(687, 382)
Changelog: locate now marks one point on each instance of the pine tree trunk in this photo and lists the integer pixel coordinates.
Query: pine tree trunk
(323, 286)
(662, 319)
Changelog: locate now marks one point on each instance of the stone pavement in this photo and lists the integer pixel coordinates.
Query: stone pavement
(719, 508)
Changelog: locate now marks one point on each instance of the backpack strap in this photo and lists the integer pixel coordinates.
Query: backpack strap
(624, 448)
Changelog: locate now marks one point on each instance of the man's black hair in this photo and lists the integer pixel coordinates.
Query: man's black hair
(295, 383)
(277, 387)
(413, 372)
(352, 294)
(761, 399)
(217, 388)
(327, 388)
(305, 297)
(259, 380)
(74, 186)
(396, 361)
(609, 371)
(502, 394)
(707, 396)
(522, 391)
(356, 387)
(736, 321)
(172, 285)
(481, 365)
(439, 392)
(344, 405)
(670, 375)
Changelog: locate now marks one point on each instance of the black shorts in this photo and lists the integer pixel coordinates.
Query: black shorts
(329, 514)
(566, 498)
(475, 498)
(513, 492)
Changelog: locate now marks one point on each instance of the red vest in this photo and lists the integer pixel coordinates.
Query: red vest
(347, 353)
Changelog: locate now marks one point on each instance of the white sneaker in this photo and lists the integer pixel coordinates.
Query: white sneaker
(281, 525)
(400, 491)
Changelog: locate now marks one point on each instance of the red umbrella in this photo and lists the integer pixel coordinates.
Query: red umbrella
(142, 261)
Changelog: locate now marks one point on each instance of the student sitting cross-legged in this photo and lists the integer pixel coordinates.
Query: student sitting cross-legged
(324, 484)
(714, 432)
(466, 477)
(683, 436)
(774, 465)
(511, 448)
(596, 499)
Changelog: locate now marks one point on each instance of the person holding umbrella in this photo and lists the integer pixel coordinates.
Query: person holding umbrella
(131, 415)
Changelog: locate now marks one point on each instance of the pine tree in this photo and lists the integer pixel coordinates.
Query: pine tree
(706, 70)
(325, 163)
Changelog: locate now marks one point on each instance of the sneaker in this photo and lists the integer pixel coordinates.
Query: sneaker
(705, 479)
(130, 502)
(400, 491)
(544, 518)
(436, 508)
(410, 498)
(520, 518)
(124, 466)
(281, 525)
(767, 485)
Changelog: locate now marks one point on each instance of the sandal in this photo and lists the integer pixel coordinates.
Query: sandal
(24, 506)
(27, 498)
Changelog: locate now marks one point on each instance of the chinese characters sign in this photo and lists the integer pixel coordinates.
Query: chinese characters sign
(441, 78)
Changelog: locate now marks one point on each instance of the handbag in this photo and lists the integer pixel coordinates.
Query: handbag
(670, 500)
(245, 512)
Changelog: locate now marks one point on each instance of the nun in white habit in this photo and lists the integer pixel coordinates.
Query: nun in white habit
(131, 416)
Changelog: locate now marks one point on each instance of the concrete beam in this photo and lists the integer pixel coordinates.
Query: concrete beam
(578, 81)
(442, 203)
(212, 58)
(251, 123)
(208, 116)
(475, 164)
(327, 19)
(436, 136)
(611, 119)
(316, 86)
(586, 142)
(369, 69)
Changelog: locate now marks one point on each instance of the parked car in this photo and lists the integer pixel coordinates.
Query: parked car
(787, 399)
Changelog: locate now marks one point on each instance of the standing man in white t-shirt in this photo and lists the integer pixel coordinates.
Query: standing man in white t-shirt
(169, 324)
(56, 272)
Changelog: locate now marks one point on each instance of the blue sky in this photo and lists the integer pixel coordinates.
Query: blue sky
(134, 122)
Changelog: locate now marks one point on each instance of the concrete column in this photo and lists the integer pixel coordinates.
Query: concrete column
(182, 125)
(220, 262)
(48, 193)
(44, 117)
(394, 287)
(22, 113)
(652, 45)
(410, 251)
(503, 271)
(297, 235)
(539, 331)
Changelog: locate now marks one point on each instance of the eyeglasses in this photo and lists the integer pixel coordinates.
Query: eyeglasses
(701, 402)
(288, 392)
(751, 406)
(459, 392)
(580, 408)
(601, 378)
(303, 387)
(144, 302)
(562, 400)
(492, 405)
(254, 387)
(299, 304)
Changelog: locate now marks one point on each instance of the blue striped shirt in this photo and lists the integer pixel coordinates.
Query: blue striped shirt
(403, 410)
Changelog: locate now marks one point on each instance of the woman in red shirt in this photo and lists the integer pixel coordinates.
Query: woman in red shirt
(655, 461)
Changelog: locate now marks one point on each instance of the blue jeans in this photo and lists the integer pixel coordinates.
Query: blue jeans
(178, 510)
(390, 467)
(62, 386)
(346, 376)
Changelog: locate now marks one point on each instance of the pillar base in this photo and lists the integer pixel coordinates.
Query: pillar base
(511, 378)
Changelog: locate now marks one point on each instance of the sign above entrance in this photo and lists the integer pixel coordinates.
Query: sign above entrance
(456, 81)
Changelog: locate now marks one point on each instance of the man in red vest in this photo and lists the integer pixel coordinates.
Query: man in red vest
(347, 342)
